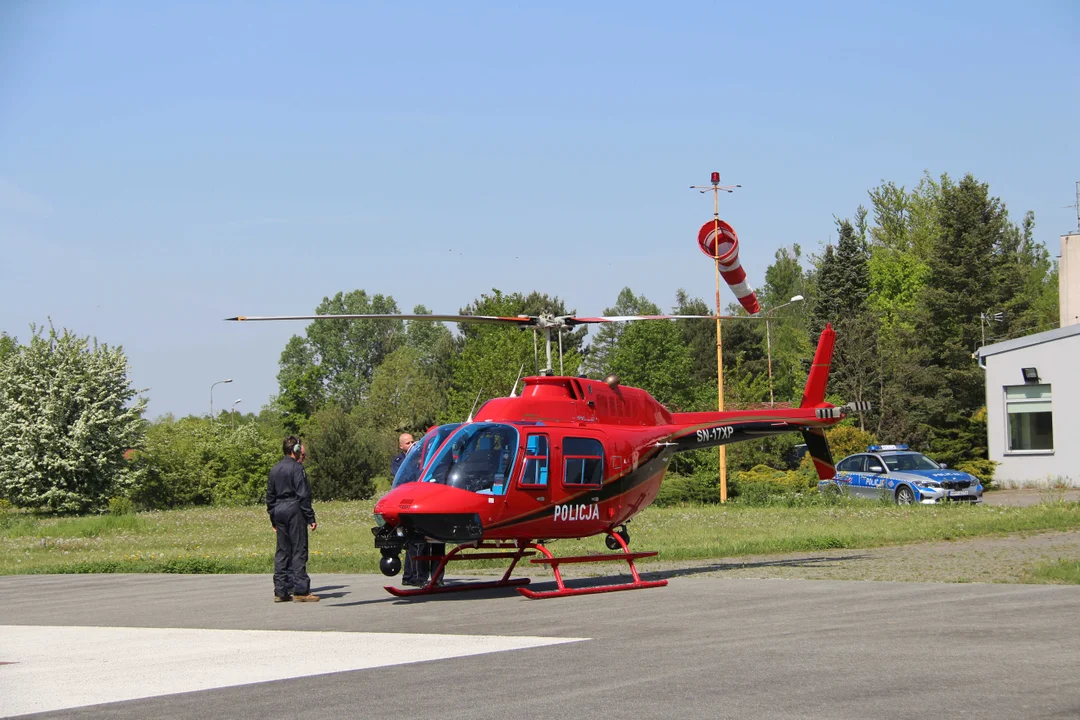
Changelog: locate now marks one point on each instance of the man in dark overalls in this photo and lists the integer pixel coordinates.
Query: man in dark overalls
(288, 500)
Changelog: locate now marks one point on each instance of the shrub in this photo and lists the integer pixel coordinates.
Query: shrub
(847, 440)
(982, 469)
(121, 506)
(68, 413)
(700, 488)
(194, 461)
(344, 455)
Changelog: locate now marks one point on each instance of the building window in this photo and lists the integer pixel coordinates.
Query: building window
(1030, 418)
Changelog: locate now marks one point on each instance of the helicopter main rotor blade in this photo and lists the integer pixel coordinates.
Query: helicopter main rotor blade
(629, 318)
(524, 321)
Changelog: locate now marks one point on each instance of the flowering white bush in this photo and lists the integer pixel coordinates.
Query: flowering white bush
(67, 417)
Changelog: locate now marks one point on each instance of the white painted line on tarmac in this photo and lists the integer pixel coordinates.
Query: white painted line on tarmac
(55, 668)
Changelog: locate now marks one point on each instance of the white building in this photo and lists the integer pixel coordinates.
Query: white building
(1033, 406)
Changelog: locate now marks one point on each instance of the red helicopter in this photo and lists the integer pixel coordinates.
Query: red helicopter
(568, 457)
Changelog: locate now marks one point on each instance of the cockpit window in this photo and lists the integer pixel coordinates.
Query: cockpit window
(910, 461)
(420, 454)
(479, 457)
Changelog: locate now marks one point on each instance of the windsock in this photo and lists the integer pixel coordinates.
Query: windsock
(728, 259)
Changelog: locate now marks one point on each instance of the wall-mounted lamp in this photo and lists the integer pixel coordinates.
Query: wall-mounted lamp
(1031, 375)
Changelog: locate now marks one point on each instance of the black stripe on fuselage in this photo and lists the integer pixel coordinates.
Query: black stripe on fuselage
(714, 434)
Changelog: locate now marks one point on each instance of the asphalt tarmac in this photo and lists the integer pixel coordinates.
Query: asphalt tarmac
(702, 647)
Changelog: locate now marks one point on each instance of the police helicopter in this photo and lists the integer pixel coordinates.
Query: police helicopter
(566, 457)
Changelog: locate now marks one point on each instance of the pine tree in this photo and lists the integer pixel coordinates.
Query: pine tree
(973, 269)
(843, 289)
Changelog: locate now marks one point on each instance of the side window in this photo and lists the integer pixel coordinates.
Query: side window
(583, 459)
(851, 464)
(536, 461)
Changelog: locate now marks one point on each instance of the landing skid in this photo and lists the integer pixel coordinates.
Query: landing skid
(563, 591)
(501, 550)
(515, 552)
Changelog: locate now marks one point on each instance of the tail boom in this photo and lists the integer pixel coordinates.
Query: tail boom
(697, 430)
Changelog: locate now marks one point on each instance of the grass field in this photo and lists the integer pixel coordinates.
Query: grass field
(240, 540)
(1065, 572)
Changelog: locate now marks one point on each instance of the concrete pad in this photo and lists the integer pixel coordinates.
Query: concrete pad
(54, 668)
(702, 647)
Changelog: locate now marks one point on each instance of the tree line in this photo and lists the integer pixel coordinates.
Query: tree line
(912, 285)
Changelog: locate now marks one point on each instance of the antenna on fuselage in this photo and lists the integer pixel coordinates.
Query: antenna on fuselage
(513, 390)
(469, 420)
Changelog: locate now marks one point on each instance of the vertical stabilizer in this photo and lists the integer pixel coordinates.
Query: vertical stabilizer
(814, 394)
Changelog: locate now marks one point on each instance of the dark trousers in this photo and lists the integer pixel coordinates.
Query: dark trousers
(290, 560)
(418, 571)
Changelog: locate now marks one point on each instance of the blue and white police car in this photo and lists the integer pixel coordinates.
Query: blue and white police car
(906, 476)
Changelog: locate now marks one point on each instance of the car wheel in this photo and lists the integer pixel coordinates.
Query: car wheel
(905, 495)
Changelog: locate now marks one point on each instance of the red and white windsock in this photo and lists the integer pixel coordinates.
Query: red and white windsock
(728, 257)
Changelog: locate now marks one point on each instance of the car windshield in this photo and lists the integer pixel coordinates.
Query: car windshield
(909, 461)
(420, 454)
(478, 457)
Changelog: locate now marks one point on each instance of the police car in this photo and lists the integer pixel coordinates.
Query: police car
(907, 476)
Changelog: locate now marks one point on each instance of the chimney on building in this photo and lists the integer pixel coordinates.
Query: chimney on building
(1069, 279)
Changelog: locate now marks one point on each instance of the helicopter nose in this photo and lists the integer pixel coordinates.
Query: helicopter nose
(387, 517)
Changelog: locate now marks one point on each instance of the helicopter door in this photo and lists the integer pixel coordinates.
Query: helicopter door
(535, 476)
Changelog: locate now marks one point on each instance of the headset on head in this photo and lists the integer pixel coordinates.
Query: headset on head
(297, 446)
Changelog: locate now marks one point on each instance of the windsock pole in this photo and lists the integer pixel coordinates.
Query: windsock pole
(716, 188)
(719, 339)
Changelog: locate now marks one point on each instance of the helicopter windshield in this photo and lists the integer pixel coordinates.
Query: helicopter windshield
(479, 458)
(421, 453)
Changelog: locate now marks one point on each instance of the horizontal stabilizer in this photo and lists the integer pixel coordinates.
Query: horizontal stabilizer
(836, 413)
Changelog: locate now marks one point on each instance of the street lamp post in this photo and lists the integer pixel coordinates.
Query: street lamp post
(229, 380)
(232, 411)
(768, 342)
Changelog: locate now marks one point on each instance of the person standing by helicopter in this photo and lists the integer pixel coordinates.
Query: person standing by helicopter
(415, 571)
(288, 501)
(405, 441)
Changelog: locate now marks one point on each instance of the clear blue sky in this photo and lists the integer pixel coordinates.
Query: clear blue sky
(165, 165)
